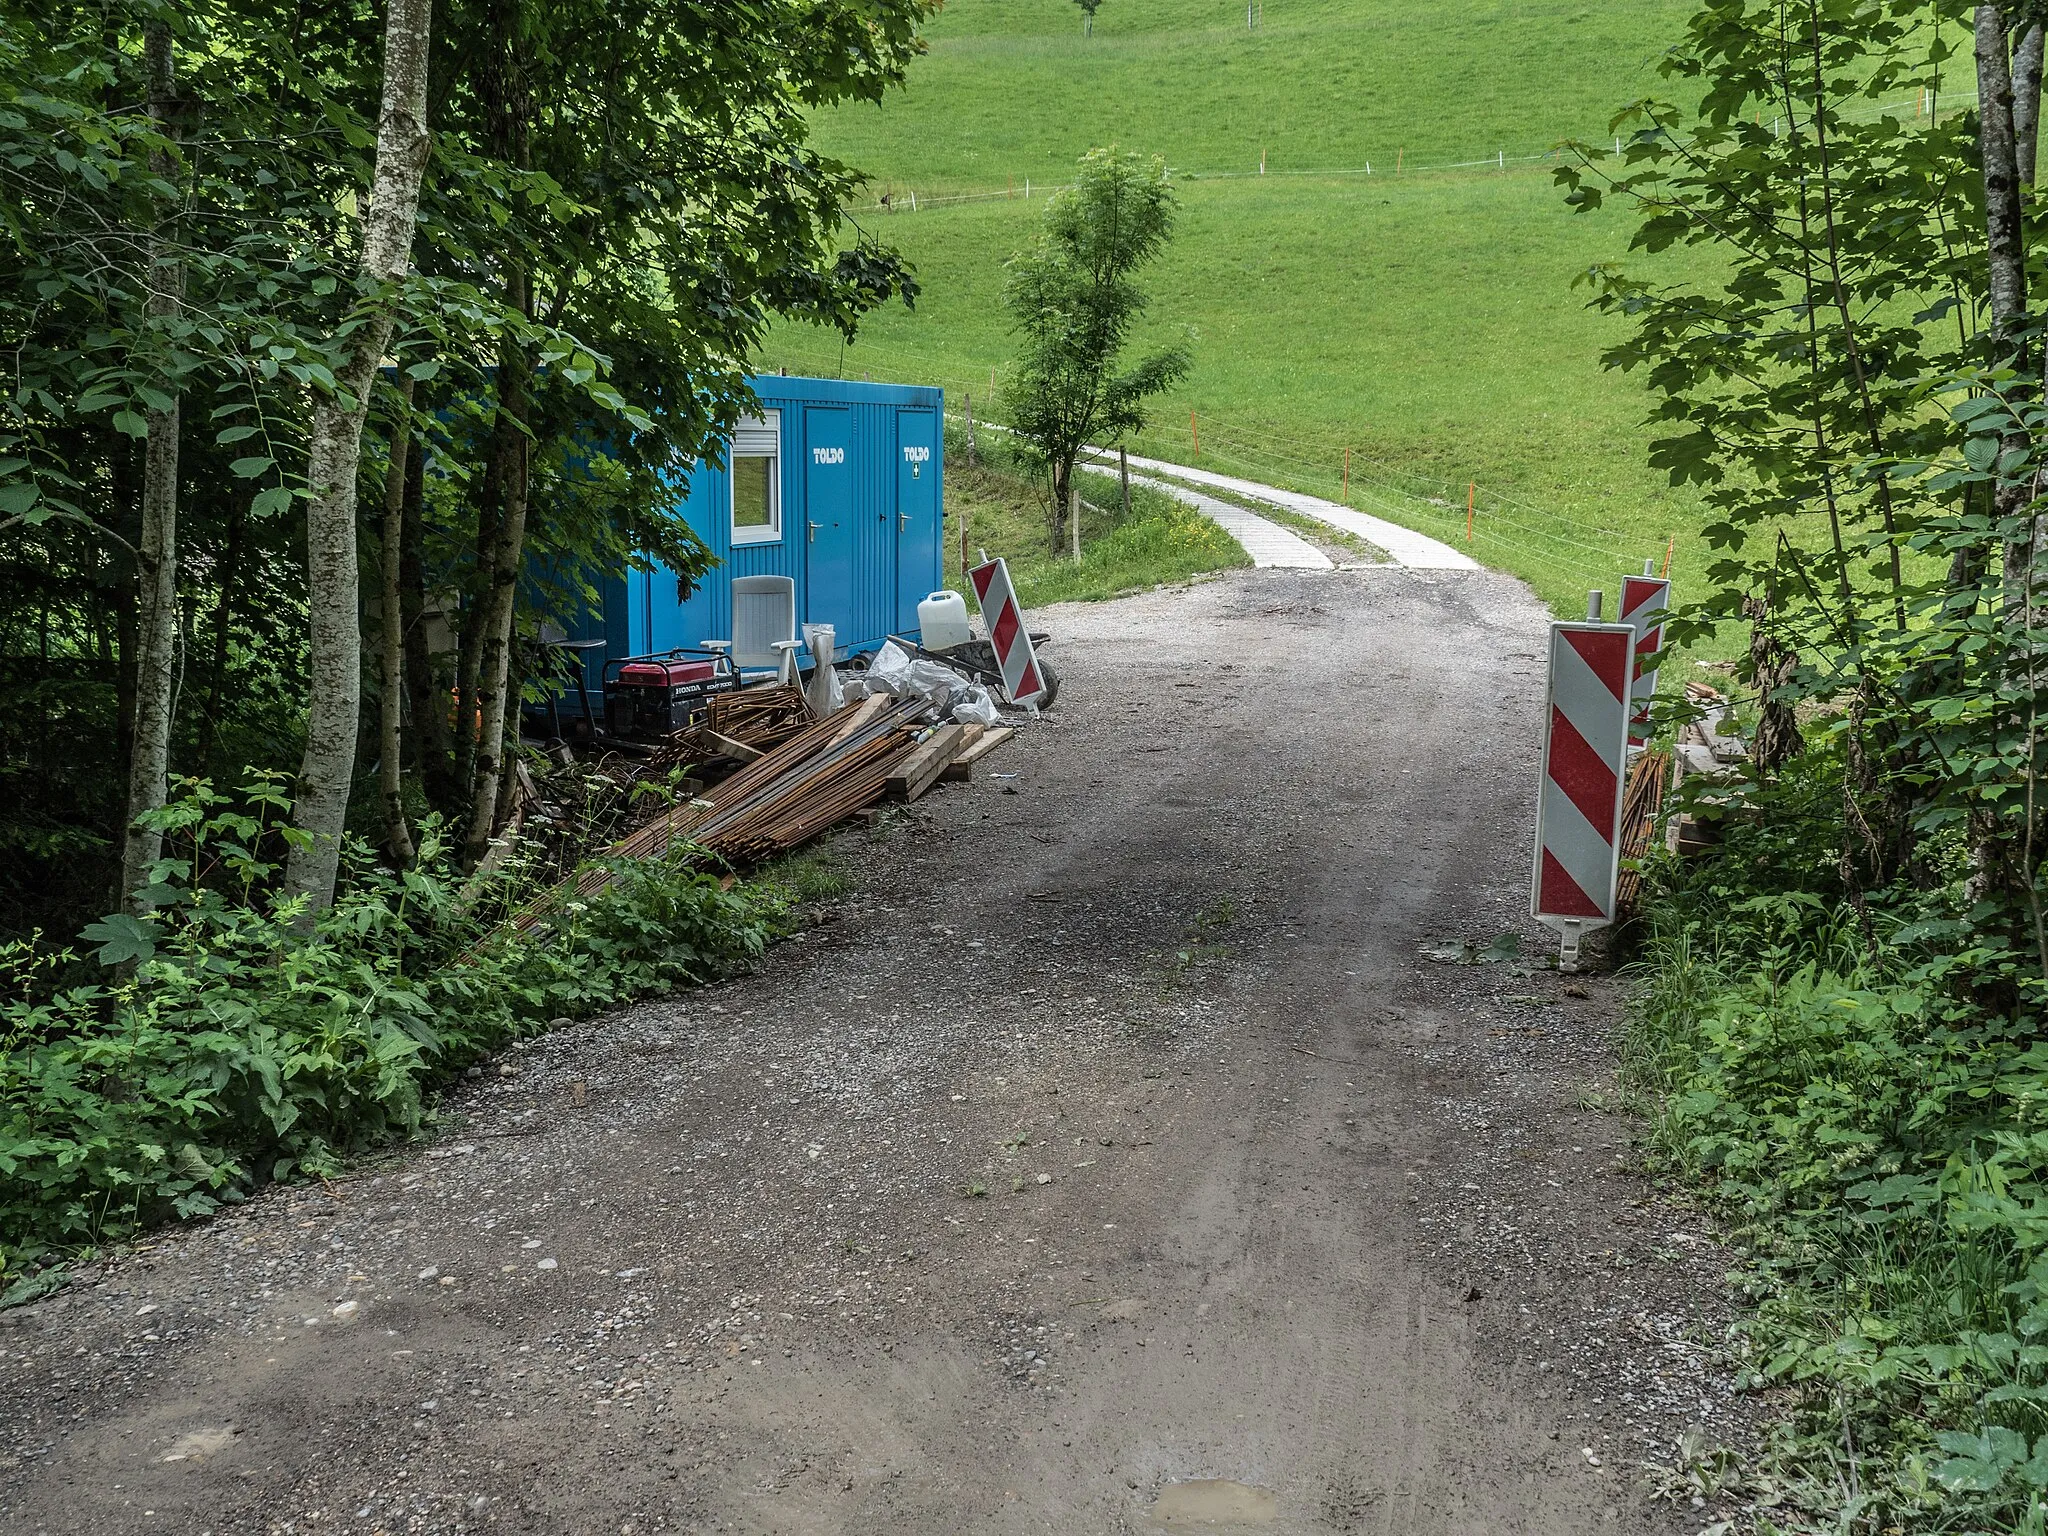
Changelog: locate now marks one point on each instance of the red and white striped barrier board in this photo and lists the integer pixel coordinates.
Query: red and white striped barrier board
(1578, 808)
(1006, 631)
(1644, 602)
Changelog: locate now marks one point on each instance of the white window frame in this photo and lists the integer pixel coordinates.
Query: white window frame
(755, 437)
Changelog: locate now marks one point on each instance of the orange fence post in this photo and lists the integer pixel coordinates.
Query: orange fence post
(1471, 493)
(1195, 433)
(1347, 477)
(1397, 160)
(1671, 545)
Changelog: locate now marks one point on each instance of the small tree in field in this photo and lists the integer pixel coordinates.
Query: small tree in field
(1074, 298)
(1088, 10)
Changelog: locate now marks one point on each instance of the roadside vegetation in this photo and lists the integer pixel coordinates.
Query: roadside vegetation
(307, 366)
(231, 1043)
(1838, 1027)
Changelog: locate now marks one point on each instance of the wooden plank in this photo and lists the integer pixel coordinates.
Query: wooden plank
(854, 716)
(727, 747)
(920, 771)
(989, 741)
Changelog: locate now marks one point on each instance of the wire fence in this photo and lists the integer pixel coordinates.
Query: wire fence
(908, 199)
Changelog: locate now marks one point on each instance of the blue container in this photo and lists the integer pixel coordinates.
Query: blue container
(837, 485)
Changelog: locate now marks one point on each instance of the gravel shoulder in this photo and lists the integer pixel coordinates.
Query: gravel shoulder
(1110, 1158)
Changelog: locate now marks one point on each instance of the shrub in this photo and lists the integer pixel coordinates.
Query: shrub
(235, 1045)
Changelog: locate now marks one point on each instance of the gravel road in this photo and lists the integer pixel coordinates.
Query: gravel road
(1110, 1157)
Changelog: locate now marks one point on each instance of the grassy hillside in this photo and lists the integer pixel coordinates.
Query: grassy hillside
(1012, 88)
(1425, 320)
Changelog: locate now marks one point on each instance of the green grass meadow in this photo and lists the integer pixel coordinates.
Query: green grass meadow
(1004, 509)
(1425, 321)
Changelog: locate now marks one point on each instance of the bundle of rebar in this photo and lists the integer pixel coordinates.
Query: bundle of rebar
(824, 773)
(1641, 800)
(759, 717)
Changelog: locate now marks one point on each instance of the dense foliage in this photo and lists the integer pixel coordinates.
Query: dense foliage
(237, 1050)
(616, 203)
(1842, 1011)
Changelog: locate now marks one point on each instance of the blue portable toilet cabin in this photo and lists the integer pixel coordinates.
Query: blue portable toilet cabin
(835, 483)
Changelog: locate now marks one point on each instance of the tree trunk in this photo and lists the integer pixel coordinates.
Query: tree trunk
(335, 676)
(223, 628)
(2026, 100)
(1062, 481)
(427, 680)
(1771, 665)
(391, 692)
(156, 634)
(502, 600)
(1997, 145)
(470, 648)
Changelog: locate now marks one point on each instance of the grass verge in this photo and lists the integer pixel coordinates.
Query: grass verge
(1868, 1128)
(1003, 506)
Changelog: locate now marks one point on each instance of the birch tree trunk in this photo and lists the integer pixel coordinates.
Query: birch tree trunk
(508, 111)
(2005, 243)
(502, 602)
(1997, 144)
(156, 635)
(2026, 100)
(391, 695)
(335, 680)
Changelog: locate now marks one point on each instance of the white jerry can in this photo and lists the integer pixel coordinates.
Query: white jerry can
(942, 621)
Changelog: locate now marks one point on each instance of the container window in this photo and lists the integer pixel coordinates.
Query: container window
(757, 480)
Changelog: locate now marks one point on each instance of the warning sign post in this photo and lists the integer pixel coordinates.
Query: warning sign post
(1578, 806)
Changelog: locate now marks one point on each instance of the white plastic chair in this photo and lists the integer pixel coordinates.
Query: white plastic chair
(763, 628)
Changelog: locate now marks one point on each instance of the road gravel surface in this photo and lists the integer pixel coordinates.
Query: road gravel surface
(1123, 1151)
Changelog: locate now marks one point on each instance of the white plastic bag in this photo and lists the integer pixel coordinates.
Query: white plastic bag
(978, 707)
(896, 672)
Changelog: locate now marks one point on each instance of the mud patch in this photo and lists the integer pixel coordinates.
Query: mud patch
(1211, 1503)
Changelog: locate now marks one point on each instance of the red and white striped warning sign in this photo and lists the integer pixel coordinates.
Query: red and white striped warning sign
(1006, 631)
(1578, 811)
(1644, 602)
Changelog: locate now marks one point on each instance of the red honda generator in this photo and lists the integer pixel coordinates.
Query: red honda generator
(655, 696)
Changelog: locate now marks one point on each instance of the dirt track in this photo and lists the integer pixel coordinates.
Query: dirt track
(1112, 1139)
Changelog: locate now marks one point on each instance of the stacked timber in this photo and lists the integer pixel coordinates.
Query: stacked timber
(817, 776)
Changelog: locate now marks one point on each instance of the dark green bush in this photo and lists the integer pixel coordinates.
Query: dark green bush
(241, 1047)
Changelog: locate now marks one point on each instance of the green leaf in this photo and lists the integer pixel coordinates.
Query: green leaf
(250, 468)
(277, 499)
(18, 498)
(121, 938)
(131, 423)
(235, 435)
(33, 1287)
(191, 1162)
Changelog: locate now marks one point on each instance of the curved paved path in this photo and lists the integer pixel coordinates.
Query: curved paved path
(1404, 546)
(1271, 546)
